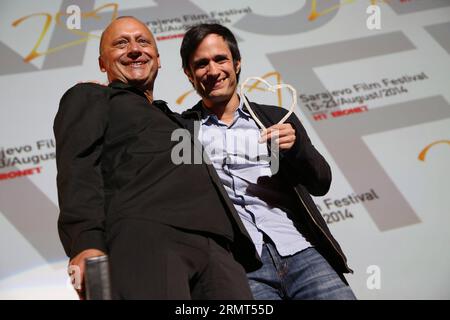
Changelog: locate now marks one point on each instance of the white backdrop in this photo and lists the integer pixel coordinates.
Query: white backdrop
(371, 100)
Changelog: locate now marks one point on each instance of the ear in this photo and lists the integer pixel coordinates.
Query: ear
(101, 64)
(159, 62)
(237, 66)
(189, 75)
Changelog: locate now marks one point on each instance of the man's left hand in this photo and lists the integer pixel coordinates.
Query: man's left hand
(283, 133)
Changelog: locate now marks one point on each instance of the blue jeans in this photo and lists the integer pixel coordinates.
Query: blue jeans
(304, 275)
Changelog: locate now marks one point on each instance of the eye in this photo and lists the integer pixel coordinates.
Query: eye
(200, 64)
(221, 59)
(120, 43)
(143, 41)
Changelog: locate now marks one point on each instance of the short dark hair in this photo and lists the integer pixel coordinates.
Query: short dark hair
(195, 35)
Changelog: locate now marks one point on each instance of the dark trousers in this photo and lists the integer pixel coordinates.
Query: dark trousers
(155, 261)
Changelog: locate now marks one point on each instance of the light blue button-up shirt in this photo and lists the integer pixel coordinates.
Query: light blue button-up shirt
(243, 167)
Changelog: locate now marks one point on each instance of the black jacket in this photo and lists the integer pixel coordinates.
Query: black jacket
(113, 155)
(306, 172)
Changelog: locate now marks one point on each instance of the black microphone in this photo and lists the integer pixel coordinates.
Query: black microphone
(97, 278)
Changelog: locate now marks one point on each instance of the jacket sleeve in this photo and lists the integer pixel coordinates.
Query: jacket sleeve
(311, 168)
(79, 133)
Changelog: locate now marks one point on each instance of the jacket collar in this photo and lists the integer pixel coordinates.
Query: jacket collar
(197, 112)
(116, 84)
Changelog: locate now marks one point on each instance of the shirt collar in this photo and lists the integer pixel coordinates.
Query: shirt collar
(241, 111)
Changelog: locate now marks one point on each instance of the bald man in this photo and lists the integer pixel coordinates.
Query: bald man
(121, 194)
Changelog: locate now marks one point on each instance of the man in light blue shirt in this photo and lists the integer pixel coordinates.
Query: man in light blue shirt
(240, 160)
(301, 259)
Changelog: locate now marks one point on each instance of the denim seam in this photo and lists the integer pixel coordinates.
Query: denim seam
(280, 273)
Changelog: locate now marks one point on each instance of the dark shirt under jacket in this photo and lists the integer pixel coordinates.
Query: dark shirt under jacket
(113, 153)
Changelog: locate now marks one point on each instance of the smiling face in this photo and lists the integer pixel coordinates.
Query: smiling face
(213, 72)
(129, 53)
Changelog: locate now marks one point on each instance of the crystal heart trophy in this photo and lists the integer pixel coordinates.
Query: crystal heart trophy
(271, 88)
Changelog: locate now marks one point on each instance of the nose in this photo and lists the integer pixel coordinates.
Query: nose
(213, 69)
(134, 50)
